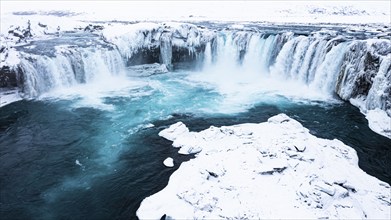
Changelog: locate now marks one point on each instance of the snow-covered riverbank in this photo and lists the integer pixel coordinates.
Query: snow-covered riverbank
(275, 169)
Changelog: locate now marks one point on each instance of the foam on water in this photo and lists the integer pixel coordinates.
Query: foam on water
(94, 93)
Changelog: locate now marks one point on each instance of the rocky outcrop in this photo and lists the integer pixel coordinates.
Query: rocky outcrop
(20, 33)
(170, 43)
(366, 74)
(271, 170)
(8, 78)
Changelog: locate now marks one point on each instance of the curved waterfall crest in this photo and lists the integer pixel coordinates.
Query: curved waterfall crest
(337, 64)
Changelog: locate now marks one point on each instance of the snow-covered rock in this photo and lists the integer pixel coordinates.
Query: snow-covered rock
(8, 56)
(132, 38)
(174, 131)
(149, 69)
(9, 96)
(271, 170)
(379, 122)
(168, 162)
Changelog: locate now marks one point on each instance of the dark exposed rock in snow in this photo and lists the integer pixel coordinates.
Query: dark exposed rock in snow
(8, 77)
(366, 70)
(42, 25)
(92, 28)
(149, 69)
(22, 33)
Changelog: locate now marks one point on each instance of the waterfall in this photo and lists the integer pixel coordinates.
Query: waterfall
(253, 58)
(208, 57)
(166, 49)
(326, 75)
(284, 60)
(322, 63)
(42, 73)
(227, 52)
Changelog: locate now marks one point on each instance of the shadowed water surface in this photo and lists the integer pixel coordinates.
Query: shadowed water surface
(59, 160)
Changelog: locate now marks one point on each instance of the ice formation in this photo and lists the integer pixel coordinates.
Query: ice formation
(168, 162)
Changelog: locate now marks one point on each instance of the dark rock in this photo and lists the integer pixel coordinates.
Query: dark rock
(213, 174)
(300, 150)
(22, 33)
(93, 28)
(42, 25)
(8, 77)
(275, 170)
(145, 56)
(3, 49)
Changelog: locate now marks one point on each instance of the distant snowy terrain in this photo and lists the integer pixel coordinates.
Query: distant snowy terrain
(66, 15)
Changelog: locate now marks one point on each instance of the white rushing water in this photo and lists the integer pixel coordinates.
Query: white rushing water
(68, 68)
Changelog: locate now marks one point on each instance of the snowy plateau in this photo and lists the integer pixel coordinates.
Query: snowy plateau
(271, 170)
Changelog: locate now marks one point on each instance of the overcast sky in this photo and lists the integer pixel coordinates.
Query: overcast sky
(124, 6)
(235, 10)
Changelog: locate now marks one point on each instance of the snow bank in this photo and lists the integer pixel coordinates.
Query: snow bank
(379, 122)
(8, 97)
(271, 170)
(9, 57)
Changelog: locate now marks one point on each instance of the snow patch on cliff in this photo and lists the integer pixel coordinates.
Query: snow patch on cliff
(379, 122)
(8, 97)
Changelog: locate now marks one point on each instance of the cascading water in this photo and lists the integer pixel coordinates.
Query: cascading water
(327, 65)
(327, 73)
(208, 57)
(40, 73)
(166, 49)
(259, 55)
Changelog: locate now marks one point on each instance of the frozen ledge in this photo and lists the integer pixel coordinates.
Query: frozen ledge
(378, 119)
(271, 170)
(379, 122)
(8, 97)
